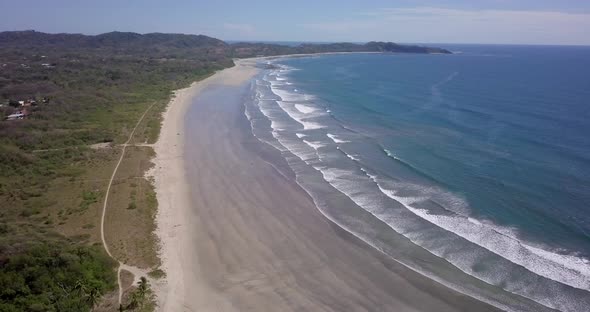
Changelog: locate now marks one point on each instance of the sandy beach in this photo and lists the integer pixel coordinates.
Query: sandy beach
(236, 235)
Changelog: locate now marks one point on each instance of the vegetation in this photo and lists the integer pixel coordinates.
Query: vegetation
(141, 299)
(257, 49)
(157, 273)
(95, 92)
(88, 90)
(54, 277)
(79, 91)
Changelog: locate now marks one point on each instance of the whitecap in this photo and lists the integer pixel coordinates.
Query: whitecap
(305, 109)
(336, 139)
(313, 144)
(569, 270)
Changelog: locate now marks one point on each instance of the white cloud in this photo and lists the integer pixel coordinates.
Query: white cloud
(428, 24)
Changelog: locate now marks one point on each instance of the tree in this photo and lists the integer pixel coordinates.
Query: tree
(134, 302)
(139, 297)
(93, 297)
(142, 290)
(80, 287)
(143, 287)
(13, 103)
(52, 277)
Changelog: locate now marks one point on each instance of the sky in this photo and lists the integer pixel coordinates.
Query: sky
(405, 21)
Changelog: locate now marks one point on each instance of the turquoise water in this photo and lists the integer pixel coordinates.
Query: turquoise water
(481, 158)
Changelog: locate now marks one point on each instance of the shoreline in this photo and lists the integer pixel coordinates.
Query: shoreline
(225, 270)
(171, 189)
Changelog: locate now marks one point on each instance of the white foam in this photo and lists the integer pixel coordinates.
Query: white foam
(274, 124)
(353, 157)
(304, 109)
(336, 139)
(474, 221)
(390, 154)
(310, 125)
(314, 145)
(340, 179)
(568, 261)
(377, 246)
(437, 245)
(471, 229)
(569, 270)
(299, 117)
(247, 113)
(300, 135)
(288, 96)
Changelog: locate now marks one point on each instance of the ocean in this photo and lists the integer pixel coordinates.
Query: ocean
(472, 169)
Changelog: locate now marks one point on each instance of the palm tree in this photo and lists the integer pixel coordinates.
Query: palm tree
(134, 302)
(142, 289)
(143, 286)
(93, 297)
(81, 288)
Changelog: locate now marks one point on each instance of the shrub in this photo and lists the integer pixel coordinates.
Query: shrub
(132, 205)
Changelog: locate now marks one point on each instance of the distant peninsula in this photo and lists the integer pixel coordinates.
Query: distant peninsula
(160, 43)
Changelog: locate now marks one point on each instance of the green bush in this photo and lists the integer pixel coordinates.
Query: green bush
(89, 198)
(55, 277)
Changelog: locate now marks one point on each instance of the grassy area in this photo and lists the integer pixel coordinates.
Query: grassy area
(129, 225)
(53, 182)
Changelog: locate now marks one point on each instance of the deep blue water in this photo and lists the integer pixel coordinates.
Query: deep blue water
(482, 158)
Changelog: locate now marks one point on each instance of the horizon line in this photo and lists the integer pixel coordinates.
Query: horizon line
(305, 41)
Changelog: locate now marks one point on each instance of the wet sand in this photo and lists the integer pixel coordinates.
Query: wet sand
(239, 236)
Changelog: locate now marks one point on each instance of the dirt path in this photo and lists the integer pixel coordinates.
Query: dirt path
(122, 266)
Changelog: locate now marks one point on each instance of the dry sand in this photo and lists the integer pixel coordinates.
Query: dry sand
(238, 236)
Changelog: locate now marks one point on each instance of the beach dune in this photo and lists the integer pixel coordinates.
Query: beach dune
(236, 235)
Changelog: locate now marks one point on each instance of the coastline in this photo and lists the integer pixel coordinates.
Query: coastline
(172, 191)
(253, 251)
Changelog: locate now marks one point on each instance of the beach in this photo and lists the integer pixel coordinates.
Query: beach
(238, 234)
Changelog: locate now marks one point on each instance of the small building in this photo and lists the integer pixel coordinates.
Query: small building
(15, 116)
(29, 102)
(19, 114)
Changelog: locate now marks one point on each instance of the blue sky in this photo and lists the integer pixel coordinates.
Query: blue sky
(446, 21)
